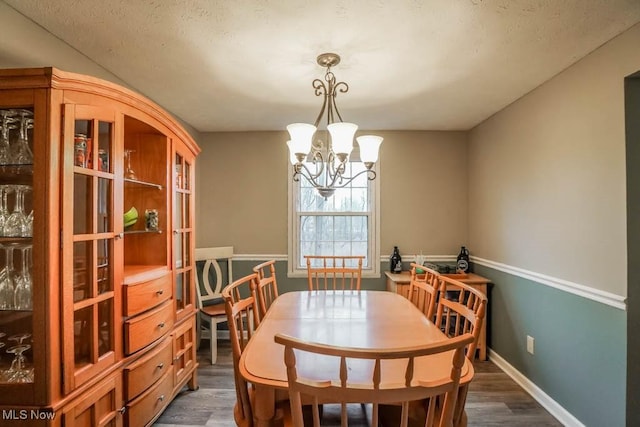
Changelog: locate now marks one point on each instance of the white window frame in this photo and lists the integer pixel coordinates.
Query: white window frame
(373, 271)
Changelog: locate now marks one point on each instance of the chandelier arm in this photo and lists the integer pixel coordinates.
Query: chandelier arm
(339, 87)
(320, 90)
(371, 175)
(334, 174)
(301, 170)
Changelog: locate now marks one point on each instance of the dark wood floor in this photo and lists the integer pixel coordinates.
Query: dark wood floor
(494, 399)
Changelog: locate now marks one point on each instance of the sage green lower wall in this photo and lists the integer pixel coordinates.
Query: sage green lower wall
(580, 345)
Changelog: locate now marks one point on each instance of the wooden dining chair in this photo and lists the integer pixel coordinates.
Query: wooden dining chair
(334, 272)
(267, 290)
(404, 387)
(209, 294)
(461, 310)
(423, 289)
(241, 307)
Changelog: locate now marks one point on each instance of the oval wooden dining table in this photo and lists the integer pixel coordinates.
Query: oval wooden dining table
(365, 319)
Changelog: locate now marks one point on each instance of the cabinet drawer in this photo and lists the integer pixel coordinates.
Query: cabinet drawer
(144, 329)
(142, 296)
(145, 371)
(150, 403)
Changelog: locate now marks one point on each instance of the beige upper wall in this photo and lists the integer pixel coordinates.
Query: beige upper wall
(242, 192)
(547, 174)
(42, 49)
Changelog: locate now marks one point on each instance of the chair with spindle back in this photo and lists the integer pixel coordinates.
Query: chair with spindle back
(241, 307)
(423, 289)
(267, 290)
(464, 314)
(334, 272)
(391, 381)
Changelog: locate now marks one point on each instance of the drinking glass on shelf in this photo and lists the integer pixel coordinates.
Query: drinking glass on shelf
(16, 224)
(18, 372)
(23, 154)
(28, 230)
(4, 206)
(19, 338)
(23, 285)
(129, 173)
(7, 123)
(6, 287)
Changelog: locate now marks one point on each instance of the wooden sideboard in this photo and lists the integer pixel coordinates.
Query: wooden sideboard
(399, 283)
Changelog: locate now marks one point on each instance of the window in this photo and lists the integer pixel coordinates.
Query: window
(343, 224)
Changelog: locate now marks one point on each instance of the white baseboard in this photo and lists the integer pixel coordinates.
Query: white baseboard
(554, 408)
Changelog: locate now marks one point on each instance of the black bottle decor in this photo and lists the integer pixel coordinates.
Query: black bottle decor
(462, 265)
(395, 261)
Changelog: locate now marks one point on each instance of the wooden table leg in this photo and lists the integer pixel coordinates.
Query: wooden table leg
(264, 406)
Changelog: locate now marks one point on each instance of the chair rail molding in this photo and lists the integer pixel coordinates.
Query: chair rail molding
(608, 298)
(260, 257)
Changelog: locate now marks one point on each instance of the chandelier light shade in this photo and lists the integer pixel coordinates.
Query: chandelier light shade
(329, 160)
(369, 146)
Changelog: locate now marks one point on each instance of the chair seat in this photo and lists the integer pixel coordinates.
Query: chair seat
(214, 310)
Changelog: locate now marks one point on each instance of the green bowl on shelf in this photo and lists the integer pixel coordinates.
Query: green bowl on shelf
(130, 217)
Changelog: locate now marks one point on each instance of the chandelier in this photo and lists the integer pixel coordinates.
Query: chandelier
(329, 161)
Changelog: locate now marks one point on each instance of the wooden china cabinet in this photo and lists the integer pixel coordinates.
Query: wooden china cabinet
(97, 314)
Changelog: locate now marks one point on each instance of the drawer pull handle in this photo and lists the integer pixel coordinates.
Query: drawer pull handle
(161, 325)
(160, 366)
(122, 410)
(160, 292)
(161, 398)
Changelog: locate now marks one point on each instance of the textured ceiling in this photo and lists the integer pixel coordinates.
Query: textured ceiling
(410, 64)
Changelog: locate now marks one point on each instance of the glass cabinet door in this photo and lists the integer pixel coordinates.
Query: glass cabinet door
(92, 247)
(183, 233)
(16, 247)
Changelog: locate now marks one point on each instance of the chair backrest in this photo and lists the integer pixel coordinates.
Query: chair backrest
(207, 291)
(334, 272)
(462, 314)
(427, 274)
(399, 386)
(242, 316)
(267, 290)
(461, 310)
(423, 289)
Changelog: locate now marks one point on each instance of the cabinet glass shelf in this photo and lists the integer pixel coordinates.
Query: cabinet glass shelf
(143, 232)
(142, 183)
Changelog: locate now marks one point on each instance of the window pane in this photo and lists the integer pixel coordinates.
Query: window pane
(105, 325)
(325, 228)
(81, 271)
(307, 228)
(105, 281)
(82, 196)
(83, 335)
(104, 205)
(342, 226)
(359, 202)
(104, 146)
